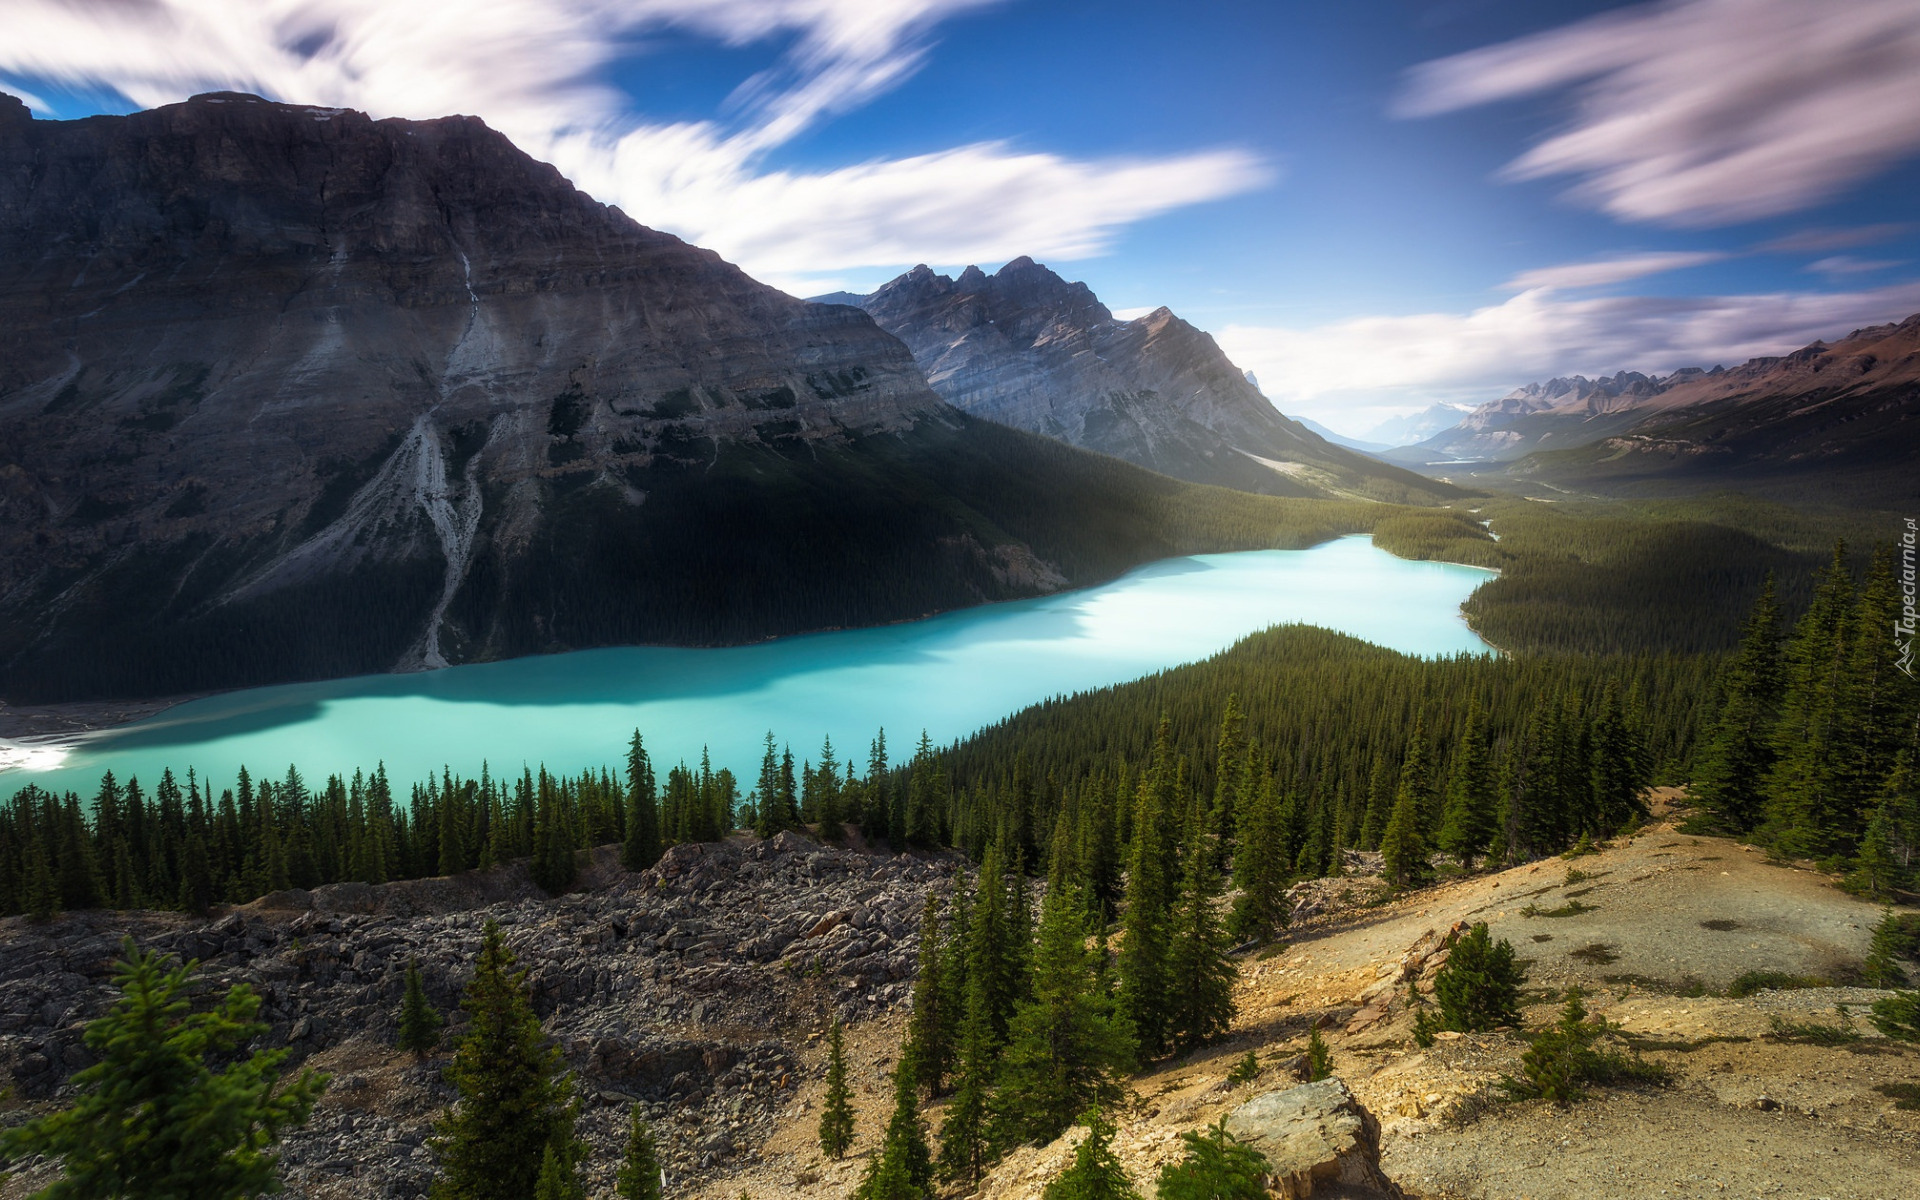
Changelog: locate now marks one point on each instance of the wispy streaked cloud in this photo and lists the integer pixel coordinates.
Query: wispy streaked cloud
(1841, 265)
(1821, 241)
(537, 70)
(1706, 112)
(1398, 360)
(1601, 271)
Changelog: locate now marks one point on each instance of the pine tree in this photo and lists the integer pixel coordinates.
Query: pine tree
(963, 1135)
(1479, 987)
(903, 1170)
(1142, 967)
(993, 951)
(1615, 772)
(1319, 1058)
(557, 1181)
(1403, 851)
(1876, 872)
(836, 1114)
(1230, 777)
(641, 848)
(419, 1023)
(516, 1099)
(1467, 829)
(1260, 867)
(1096, 1173)
(639, 1177)
(930, 1026)
(154, 1116)
(1065, 1050)
(1379, 803)
(1216, 1167)
(1807, 793)
(1892, 941)
(43, 895)
(1199, 974)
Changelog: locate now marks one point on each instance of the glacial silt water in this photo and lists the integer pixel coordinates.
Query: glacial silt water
(947, 675)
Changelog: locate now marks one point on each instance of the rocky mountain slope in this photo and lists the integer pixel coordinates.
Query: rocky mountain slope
(695, 987)
(1026, 348)
(288, 392)
(1837, 421)
(700, 988)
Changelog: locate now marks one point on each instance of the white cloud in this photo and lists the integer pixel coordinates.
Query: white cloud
(1387, 362)
(1601, 271)
(1846, 264)
(535, 70)
(1704, 112)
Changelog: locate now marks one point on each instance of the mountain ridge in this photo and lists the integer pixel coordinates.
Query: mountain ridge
(1028, 348)
(287, 392)
(1833, 417)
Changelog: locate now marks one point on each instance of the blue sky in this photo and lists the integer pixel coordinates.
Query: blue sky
(1375, 206)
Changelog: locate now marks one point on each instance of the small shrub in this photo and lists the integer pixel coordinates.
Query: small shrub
(1812, 1033)
(1571, 908)
(1561, 1061)
(1750, 982)
(1687, 985)
(1896, 937)
(1898, 1016)
(1597, 953)
(1479, 987)
(1582, 847)
(1319, 1058)
(1575, 875)
(1246, 1070)
(1217, 1167)
(1096, 1173)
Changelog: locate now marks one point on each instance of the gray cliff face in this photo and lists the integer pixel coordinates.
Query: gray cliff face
(1026, 348)
(250, 350)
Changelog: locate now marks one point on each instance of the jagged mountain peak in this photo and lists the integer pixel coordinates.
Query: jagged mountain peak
(1026, 347)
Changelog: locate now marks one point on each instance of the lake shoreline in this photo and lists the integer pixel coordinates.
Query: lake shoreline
(947, 674)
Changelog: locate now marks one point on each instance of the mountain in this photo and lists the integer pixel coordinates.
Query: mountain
(1552, 415)
(1341, 439)
(1837, 422)
(1026, 348)
(288, 392)
(1415, 427)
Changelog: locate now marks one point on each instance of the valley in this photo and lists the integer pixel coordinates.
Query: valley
(610, 727)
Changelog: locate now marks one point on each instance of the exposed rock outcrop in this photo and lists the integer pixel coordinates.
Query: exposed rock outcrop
(1319, 1140)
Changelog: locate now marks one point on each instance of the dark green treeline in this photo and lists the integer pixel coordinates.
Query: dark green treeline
(1326, 736)
(1812, 746)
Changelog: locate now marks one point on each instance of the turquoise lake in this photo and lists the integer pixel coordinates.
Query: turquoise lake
(947, 675)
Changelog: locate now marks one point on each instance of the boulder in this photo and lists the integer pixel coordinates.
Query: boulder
(1318, 1140)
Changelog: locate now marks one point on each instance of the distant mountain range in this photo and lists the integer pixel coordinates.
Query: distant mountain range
(1029, 349)
(287, 392)
(1560, 412)
(1839, 421)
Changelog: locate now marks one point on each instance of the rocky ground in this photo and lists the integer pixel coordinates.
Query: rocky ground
(702, 989)
(698, 987)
